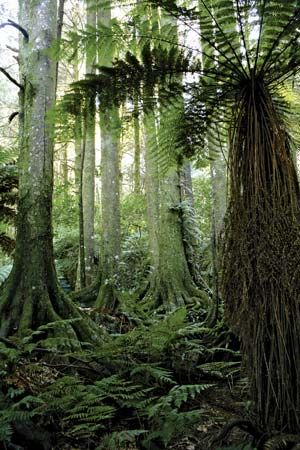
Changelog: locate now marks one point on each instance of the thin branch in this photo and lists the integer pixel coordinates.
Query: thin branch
(11, 23)
(13, 49)
(11, 78)
(12, 116)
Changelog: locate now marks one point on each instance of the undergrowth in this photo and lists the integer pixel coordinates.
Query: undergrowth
(143, 389)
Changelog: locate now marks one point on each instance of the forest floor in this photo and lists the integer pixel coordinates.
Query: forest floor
(175, 381)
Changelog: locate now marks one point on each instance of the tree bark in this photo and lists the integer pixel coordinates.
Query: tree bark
(137, 149)
(88, 180)
(110, 190)
(152, 195)
(110, 207)
(171, 282)
(30, 296)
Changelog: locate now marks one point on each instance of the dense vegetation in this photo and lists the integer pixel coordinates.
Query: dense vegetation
(150, 225)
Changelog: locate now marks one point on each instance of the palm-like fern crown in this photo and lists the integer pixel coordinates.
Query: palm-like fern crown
(236, 44)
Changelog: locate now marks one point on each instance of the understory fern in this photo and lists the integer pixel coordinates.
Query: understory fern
(138, 389)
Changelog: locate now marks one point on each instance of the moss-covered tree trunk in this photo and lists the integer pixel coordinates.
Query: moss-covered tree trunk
(172, 284)
(176, 285)
(31, 296)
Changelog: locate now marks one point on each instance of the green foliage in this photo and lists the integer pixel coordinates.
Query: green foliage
(167, 420)
(8, 199)
(129, 385)
(134, 262)
(65, 208)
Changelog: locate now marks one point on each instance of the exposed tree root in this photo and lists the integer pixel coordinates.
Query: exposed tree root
(173, 294)
(87, 296)
(25, 306)
(107, 297)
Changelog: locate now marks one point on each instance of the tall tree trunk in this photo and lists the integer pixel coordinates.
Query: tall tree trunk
(110, 188)
(218, 175)
(191, 233)
(60, 21)
(176, 286)
(137, 149)
(172, 284)
(79, 144)
(186, 183)
(152, 193)
(30, 296)
(110, 207)
(88, 181)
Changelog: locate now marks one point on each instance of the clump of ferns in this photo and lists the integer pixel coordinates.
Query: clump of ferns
(83, 412)
(127, 384)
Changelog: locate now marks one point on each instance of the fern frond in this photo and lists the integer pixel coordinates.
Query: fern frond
(157, 373)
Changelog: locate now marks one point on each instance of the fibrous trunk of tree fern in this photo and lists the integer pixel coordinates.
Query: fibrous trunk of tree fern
(261, 279)
(31, 297)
